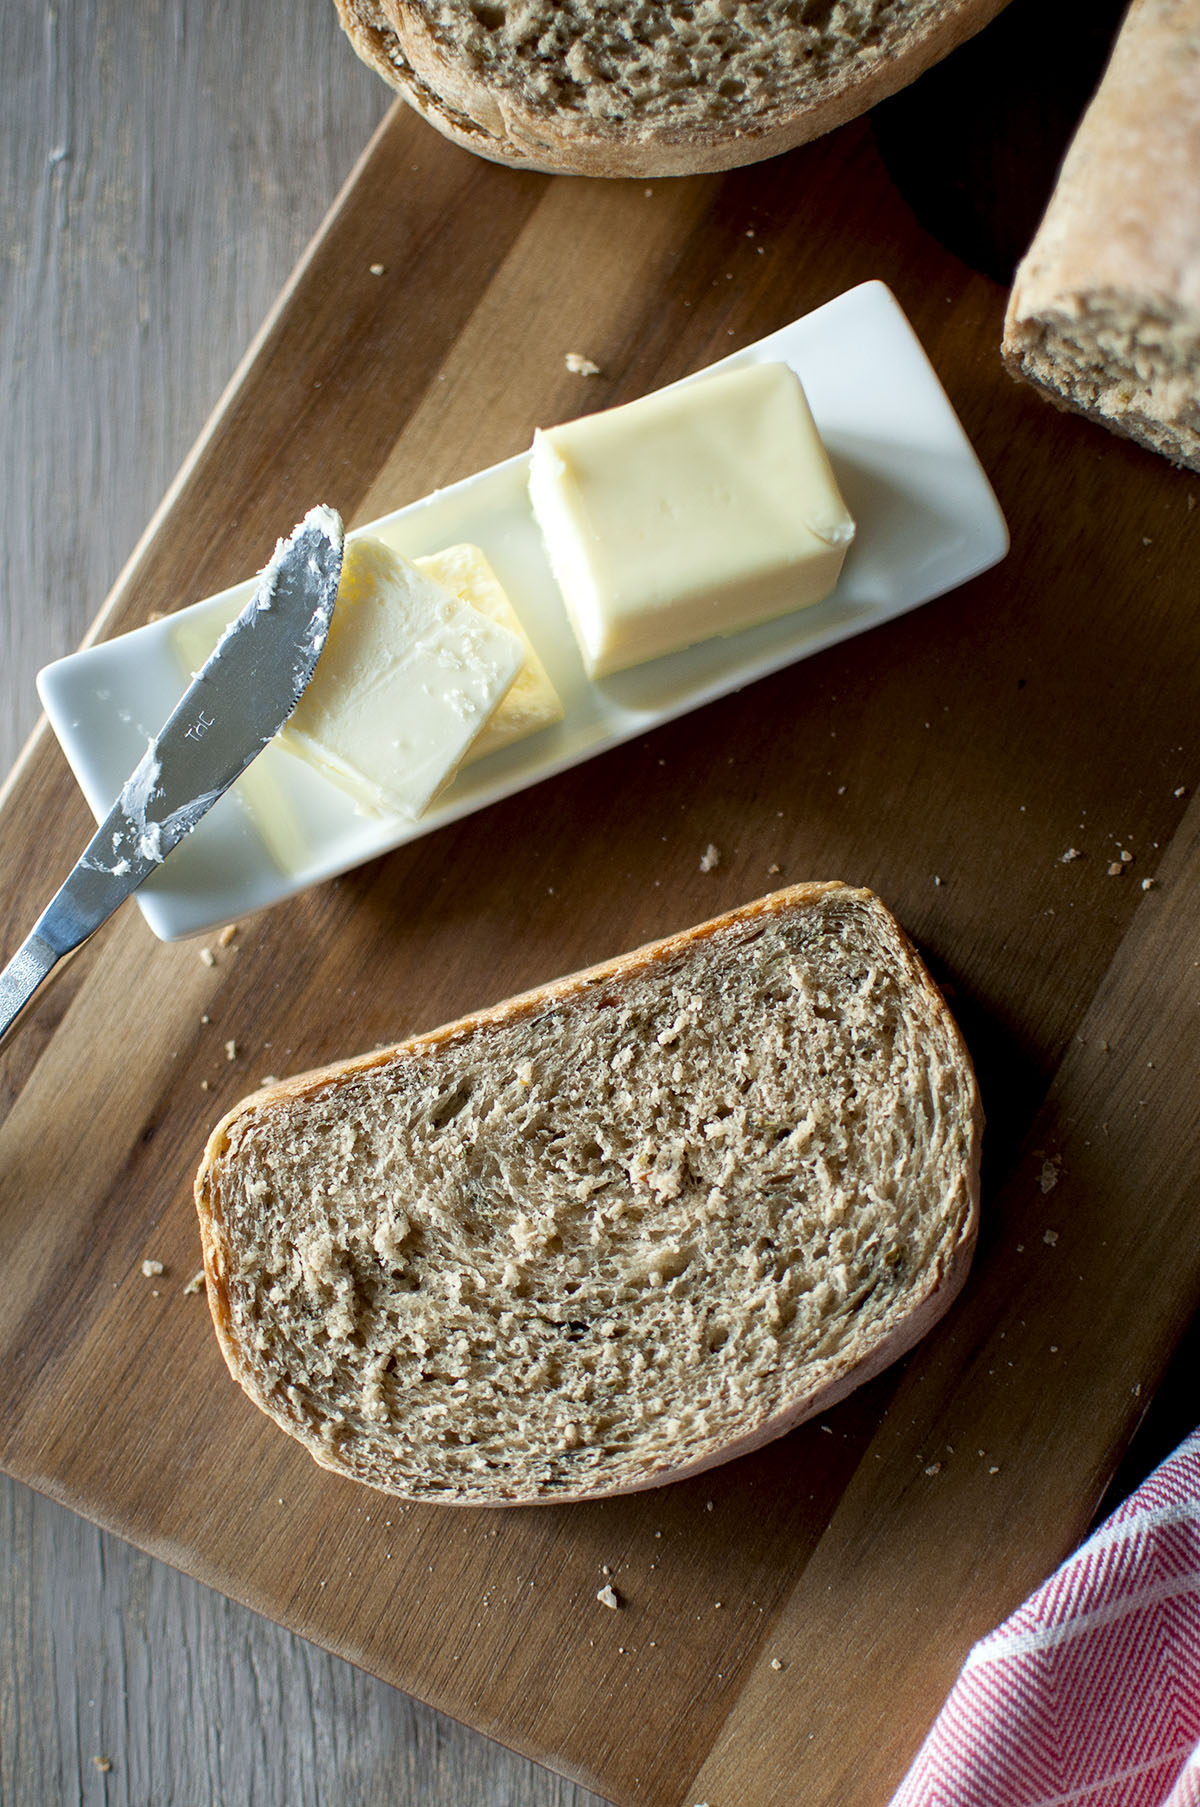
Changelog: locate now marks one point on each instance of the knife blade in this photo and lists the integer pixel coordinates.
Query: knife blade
(234, 706)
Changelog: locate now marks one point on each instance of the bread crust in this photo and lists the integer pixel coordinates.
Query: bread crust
(1104, 315)
(394, 38)
(924, 1311)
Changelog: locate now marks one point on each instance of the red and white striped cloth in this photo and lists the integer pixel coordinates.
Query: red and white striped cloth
(1089, 1696)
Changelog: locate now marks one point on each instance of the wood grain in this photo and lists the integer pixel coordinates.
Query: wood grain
(191, 1700)
(165, 168)
(948, 759)
(1039, 1358)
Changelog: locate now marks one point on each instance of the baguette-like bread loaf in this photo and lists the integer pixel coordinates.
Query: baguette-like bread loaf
(634, 88)
(611, 1232)
(1105, 310)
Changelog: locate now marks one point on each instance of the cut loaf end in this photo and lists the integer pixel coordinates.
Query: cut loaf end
(612, 1232)
(1104, 315)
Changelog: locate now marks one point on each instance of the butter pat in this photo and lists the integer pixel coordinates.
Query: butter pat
(409, 676)
(698, 510)
(531, 702)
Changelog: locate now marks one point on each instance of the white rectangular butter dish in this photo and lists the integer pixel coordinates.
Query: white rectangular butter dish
(927, 521)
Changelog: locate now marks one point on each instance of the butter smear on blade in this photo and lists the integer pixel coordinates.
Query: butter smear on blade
(409, 676)
(698, 510)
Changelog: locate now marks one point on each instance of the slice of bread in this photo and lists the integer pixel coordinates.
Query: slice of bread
(632, 88)
(1104, 315)
(611, 1232)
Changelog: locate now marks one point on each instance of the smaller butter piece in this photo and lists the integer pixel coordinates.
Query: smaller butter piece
(531, 703)
(409, 677)
(698, 510)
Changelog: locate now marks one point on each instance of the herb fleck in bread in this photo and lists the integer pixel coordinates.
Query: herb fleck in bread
(1105, 310)
(614, 1231)
(635, 88)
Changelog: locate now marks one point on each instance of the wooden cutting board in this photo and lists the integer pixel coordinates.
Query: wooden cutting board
(790, 1623)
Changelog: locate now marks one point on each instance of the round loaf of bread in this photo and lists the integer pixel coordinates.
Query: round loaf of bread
(637, 88)
(611, 1232)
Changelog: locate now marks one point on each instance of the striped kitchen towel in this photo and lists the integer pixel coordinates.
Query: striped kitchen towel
(1089, 1696)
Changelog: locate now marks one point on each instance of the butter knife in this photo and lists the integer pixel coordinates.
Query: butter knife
(234, 706)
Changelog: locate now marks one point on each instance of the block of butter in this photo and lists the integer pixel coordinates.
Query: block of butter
(531, 701)
(529, 704)
(698, 510)
(409, 676)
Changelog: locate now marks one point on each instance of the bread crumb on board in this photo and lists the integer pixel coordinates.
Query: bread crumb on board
(152, 1269)
(224, 939)
(231, 1050)
(103, 1764)
(608, 1596)
(1072, 853)
(194, 1285)
(578, 365)
(710, 859)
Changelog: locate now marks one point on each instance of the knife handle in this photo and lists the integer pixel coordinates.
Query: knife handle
(88, 897)
(19, 980)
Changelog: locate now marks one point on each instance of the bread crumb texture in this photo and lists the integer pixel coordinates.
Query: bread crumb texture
(1127, 363)
(610, 1232)
(642, 89)
(691, 63)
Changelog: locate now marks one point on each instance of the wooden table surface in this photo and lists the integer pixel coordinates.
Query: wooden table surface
(166, 166)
